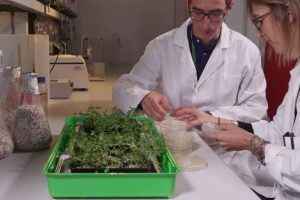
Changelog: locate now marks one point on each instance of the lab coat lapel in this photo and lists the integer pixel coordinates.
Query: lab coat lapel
(188, 62)
(180, 39)
(295, 74)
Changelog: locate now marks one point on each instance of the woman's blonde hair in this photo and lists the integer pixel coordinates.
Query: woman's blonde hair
(281, 10)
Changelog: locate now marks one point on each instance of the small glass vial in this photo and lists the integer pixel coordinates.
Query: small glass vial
(32, 131)
(43, 93)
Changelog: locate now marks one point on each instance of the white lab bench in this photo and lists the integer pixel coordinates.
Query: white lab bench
(21, 177)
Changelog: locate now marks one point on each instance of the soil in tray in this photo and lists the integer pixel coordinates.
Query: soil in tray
(78, 169)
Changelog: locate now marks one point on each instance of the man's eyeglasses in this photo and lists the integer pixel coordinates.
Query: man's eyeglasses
(258, 21)
(215, 16)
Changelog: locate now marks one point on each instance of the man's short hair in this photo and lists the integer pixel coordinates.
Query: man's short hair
(227, 2)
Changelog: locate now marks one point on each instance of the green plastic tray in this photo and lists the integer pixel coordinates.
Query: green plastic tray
(109, 185)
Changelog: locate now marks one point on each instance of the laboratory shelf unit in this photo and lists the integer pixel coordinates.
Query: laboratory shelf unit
(36, 7)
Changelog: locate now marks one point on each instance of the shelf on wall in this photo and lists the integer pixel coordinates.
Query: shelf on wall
(38, 8)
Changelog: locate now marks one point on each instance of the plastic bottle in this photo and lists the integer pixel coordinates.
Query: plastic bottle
(43, 93)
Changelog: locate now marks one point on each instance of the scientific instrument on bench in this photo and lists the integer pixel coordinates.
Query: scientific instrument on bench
(71, 67)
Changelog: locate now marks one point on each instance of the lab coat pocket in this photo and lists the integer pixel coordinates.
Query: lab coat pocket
(291, 141)
(296, 143)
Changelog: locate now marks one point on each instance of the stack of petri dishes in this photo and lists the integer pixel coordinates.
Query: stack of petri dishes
(177, 138)
(180, 142)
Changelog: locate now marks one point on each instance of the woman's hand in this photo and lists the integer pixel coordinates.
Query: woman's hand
(231, 137)
(193, 116)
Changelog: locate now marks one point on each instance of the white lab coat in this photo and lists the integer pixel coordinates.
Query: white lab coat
(283, 162)
(231, 86)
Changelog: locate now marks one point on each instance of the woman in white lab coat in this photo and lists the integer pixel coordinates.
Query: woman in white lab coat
(277, 143)
(232, 84)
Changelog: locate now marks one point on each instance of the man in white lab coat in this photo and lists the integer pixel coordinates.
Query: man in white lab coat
(203, 64)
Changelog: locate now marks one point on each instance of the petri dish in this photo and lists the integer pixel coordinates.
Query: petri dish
(190, 163)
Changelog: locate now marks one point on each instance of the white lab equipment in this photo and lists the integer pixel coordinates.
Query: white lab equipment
(71, 67)
(60, 89)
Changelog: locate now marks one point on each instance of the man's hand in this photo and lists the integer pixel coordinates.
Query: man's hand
(156, 106)
(193, 116)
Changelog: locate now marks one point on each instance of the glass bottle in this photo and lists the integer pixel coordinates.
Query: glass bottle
(43, 93)
(7, 145)
(32, 131)
(11, 95)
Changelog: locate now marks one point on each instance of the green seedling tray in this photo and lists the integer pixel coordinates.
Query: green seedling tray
(108, 185)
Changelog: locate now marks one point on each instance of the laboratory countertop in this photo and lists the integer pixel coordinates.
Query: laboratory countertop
(21, 177)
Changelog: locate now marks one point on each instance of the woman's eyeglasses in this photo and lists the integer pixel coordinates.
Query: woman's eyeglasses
(258, 21)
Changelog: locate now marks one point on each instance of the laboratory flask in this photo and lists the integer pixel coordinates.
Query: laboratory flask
(11, 95)
(32, 131)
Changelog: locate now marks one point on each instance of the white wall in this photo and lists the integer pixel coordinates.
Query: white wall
(119, 30)
(21, 27)
(134, 22)
(237, 17)
(240, 21)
